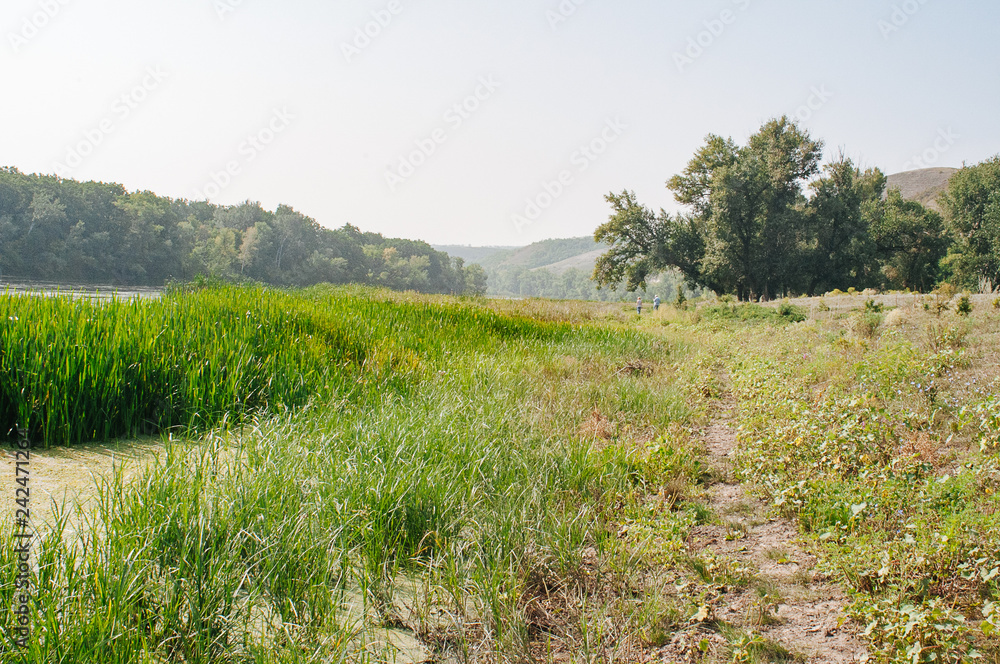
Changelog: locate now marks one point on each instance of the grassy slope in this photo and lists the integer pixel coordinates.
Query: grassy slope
(540, 254)
(584, 262)
(471, 254)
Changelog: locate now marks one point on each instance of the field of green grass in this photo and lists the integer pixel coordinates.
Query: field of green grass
(351, 475)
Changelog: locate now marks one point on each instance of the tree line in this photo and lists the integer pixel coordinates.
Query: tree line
(765, 220)
(54, 229)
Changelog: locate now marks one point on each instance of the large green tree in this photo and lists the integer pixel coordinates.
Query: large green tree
(972, 213)
(910, 240)
(745, 230)
(638, 240)
(841, 252)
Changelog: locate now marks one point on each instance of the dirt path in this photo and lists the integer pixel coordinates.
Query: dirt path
(787, 602)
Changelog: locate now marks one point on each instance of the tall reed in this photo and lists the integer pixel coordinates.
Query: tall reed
(77, 370)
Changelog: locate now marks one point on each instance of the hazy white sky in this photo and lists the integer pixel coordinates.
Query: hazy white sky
(478, 121)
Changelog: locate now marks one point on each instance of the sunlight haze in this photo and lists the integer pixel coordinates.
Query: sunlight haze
(482, 123)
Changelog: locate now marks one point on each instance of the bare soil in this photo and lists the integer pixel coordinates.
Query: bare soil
(788, 602)
(69, 476)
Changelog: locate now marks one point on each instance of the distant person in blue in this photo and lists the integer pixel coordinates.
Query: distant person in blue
(638, 305)
(656, 303)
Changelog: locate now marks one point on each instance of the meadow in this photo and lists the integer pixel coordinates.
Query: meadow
(354, 475)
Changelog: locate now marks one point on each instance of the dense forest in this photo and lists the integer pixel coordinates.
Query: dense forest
(764, 220)
(54, 229)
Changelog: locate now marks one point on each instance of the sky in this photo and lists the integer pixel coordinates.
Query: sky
(478, 122)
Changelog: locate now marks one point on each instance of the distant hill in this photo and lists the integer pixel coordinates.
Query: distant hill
(924, 185)
(545, 253)
(471, 254)
(557, 268)
(585, 262)
(557, 255)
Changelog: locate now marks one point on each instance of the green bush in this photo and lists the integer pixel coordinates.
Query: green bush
(871, 306)
(790, 312)
(964, 306)
(749, 312)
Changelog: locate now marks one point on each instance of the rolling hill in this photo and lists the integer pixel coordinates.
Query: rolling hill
(538, 255)
(924, 185)
(584, 261)
(557, 268)
(473, 254)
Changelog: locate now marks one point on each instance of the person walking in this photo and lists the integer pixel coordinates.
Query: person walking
(656, 303)
(638, 305)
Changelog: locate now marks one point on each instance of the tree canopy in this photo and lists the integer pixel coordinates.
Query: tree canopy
(751, 230)
(972, 210)
(53, 229)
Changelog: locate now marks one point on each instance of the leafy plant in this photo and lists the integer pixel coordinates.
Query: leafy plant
(871, 306)
(930, 632)
(865, 325)
(964, 306)
(790, 312)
